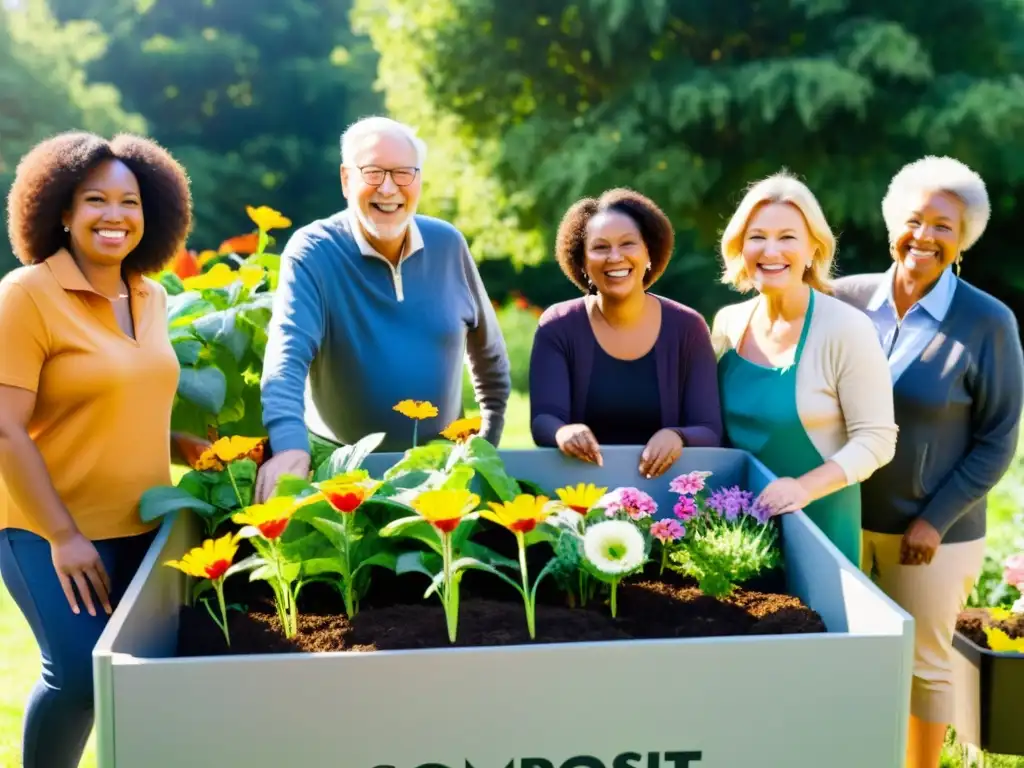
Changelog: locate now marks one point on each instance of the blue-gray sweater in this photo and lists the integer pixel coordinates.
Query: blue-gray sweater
(368, 336)
(958, 408)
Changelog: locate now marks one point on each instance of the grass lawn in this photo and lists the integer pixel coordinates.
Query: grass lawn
(19, 662)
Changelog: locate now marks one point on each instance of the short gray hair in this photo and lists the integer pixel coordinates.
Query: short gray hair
(938, 174)
(377, 124)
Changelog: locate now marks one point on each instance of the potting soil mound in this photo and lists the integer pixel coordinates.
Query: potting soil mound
(972, 622)
(394, 616)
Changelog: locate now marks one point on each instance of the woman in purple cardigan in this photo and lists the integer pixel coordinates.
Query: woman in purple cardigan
(621, 366)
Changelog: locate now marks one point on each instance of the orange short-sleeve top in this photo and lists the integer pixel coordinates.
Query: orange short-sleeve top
(102, 417)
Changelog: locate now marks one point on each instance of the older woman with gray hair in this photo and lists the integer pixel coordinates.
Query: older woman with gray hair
(958, 372)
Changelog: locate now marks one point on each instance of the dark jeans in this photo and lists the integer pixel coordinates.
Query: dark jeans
(59, 712)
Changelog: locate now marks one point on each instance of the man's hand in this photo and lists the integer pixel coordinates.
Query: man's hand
(293, 462)
(919, 543)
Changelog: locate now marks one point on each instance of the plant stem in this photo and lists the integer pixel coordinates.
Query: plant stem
(664, 559)
(219, 586)
(449, 608)
(615, 589)
(415, 429)
(350, 609)
(238, 495)
(530, 618)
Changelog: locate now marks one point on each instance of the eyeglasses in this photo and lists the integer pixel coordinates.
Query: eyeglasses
(402, 177)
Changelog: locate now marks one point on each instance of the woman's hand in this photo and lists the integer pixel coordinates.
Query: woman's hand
(577, 440)
(920, 543)
(661, 453)
(75, 559)
(784, 495)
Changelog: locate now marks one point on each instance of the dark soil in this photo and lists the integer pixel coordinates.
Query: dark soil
(394, 616)
(972, 622)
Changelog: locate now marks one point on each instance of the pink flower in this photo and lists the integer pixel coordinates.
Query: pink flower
(632, 501)
(689, 484)
(667, 530)
(1013, 573)
(685, 509)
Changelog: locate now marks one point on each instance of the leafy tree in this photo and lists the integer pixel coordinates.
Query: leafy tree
(251, 97)
(44, 89)
(537, 103)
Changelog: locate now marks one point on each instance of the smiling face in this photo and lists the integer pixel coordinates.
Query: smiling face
(616, 255)
(383, 211)
(777, 248)
(105, 217)
(930, 239)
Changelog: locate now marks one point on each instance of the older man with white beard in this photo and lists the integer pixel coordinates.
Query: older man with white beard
(376, 304)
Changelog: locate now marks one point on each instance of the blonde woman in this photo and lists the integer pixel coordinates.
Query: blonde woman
(804, 383)
(956, 360)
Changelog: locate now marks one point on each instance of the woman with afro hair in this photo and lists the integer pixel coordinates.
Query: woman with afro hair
(620, 365)
(87, 381)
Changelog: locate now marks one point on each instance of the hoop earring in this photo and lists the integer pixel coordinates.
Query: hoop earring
(66, 229)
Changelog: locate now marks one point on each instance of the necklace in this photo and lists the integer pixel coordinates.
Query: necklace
(115, 298)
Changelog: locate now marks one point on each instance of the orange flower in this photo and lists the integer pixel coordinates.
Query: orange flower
(345, 493)
(460, 430)
(185, 264)
(243, 245)
(210, 560)
(444, 509)
(233, 448)
(416, 409)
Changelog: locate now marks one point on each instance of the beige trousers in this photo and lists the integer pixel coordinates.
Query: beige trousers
(934, 595)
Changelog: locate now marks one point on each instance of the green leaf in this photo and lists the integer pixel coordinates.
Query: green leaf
(164, 499)
(388, 560)
(222, 328)
(183, 308)
(171, 282)
(223, 496)
(205, 387)
(484, 459)
(188, 351)
(320, 449)
(432, 456)
(292, 485)
(348, 457)
(427, 563)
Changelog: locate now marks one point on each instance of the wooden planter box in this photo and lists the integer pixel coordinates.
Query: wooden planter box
(838, 698)
(989, 697)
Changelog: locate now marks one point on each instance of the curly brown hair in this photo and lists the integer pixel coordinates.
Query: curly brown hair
(655, 229)
(45, 183)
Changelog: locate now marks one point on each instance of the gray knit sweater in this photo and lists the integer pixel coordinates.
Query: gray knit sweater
(958, 408)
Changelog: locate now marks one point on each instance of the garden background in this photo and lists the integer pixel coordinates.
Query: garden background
(527, 106)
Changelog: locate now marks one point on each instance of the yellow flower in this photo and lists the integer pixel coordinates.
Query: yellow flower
(1000, 614)
(347, 491)
(205, 256)
(221, 276)
(580, 498)
(266, 218)
(521, 515)
(461, 430)
(271, 518)
(417, 409)
(444, 509)
(1000, 642)
(233, 448)
(211, 560)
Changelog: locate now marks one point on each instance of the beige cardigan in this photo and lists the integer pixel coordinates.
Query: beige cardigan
(844, 387)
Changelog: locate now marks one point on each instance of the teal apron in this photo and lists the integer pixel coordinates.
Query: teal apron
(759, 411)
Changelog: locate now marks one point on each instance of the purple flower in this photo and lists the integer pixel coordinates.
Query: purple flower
(689, 484)
(632, 501)
(667, 530)
(685, 509)
(760, 512)
(730, 503)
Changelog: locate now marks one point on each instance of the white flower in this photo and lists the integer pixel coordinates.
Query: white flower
(614, 547)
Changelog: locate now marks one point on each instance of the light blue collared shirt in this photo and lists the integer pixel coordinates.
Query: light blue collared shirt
(904, 341)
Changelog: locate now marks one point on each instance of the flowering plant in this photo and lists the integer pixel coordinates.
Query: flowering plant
(612, 550)
(446, 511)
(264, 525)
(522, 516)
(212, 563)
(728, 538)
(220, 484)
(335, 510)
